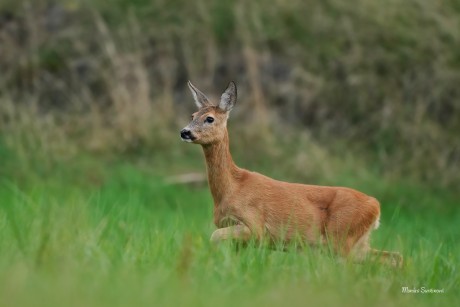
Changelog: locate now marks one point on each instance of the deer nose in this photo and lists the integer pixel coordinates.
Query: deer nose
(186, 134)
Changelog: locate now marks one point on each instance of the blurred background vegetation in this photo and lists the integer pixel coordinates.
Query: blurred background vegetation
(372, 81)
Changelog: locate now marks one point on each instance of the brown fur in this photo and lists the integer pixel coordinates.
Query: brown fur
(248, 204)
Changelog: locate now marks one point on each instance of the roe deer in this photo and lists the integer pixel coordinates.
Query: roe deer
(250, 205)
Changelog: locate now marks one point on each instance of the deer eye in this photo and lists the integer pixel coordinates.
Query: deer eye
(209, 120)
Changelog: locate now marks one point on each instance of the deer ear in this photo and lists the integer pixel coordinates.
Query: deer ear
(228, 98)
(200, 99)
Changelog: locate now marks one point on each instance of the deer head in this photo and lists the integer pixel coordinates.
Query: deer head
(209, 123)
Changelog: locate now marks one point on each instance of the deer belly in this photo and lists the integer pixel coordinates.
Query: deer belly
(303, 224)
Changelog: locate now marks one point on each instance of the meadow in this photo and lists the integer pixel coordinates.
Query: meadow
(93, 96)
(116, 233)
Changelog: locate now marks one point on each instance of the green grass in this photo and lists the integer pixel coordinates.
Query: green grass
(95, 233)
(360, 94)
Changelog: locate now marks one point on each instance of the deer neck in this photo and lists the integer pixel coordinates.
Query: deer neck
(222, 171)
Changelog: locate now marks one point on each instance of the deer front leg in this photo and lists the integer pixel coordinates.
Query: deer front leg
(237, 232)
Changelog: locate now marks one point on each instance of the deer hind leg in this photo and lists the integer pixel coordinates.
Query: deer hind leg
(393, 259)
(361, 247)
(350, 240)
(238, 232)
(349, 227)
(361, 250)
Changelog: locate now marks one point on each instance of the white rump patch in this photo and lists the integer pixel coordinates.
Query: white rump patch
(377, 222)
